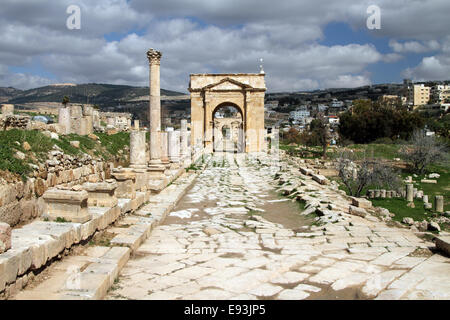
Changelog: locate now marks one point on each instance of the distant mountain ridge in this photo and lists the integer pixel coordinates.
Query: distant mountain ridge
(103, 95)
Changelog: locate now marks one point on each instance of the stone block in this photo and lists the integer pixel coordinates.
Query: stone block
(119, 255)
(409, 192)
(306, 171)
(8, 193)
(439, 203)
(126, 184)
(320, 179)
(443, 244)
(68, 204)
(11, 263)
(131, 241)
(361, 203)
(88, 285)
(11, 213)
(428, 181)
(101, 194)
(357, 211)
(5, 236)
(141, 179)
(7, 109)
(75, 144)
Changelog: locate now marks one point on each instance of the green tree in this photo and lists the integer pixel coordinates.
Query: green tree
(292, 136)
(369, 121)
(65, 101)
(320, 132)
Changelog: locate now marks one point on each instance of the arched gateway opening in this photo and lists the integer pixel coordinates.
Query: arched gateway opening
(210, 93)
(228, 129)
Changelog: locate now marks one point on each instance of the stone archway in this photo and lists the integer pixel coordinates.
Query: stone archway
(228, 130)
(234, 124)
(243, 91)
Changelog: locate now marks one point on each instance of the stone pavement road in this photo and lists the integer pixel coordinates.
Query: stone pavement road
(220, 244)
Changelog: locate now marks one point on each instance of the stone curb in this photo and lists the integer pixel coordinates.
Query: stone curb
(38, 244)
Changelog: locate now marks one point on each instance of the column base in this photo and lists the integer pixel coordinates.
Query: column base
(138, 166)
(155, 162)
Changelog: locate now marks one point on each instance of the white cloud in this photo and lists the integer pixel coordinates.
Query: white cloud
(347, 81)
(430, 68)
(414, 46)
(219, 36)
(21, 80)
(392, 57)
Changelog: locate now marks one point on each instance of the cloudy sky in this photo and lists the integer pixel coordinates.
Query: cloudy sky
(305, 44)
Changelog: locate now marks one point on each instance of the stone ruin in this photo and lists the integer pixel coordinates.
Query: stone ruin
(74, 198)
(77, 119)
(8, 120)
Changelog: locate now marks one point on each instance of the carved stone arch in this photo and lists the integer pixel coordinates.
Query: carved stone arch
(245, 92)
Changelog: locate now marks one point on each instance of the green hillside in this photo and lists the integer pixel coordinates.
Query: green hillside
(100, 94)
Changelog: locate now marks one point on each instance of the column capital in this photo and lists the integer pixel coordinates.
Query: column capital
(153, 56)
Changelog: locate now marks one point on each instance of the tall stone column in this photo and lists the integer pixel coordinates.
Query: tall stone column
(275, 141)
(96, 119)
(184, 140)
(164, 148)
(439, 203)
(64, 119)
(137, 148)
(409, 192)
(154, 59)
(174, 146)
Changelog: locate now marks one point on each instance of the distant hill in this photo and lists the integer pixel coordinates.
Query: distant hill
(8, 93)
(104, 95)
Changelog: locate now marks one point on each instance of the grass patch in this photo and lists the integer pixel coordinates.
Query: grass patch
(114, 143)
(399, 208)
(384, 151)
(11, 141)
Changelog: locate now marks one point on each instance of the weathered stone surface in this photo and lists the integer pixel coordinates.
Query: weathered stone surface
(137, 149)
(443, 244)
(361, 203)
(7, 109)
(10, 213)
(75, 144)
(428, 181)
(320, 178)
(357, 211)
(101, 194)
(70, 205)
(434, 226)
(409, 192)
(439, 203)
(408, 221)
(5, 235)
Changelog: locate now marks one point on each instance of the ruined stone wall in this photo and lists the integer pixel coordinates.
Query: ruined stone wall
(14, 122)
(22, 201)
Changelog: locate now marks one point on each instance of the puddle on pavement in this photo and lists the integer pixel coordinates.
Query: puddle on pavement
(286, 213)
(277, 209)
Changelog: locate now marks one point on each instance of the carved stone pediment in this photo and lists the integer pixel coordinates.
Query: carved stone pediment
(227, 84)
